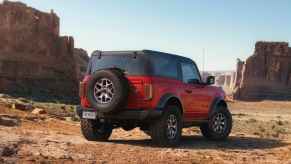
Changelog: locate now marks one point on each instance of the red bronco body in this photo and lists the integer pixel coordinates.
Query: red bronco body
(159, 92)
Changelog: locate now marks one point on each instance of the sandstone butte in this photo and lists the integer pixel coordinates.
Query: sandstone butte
(266, 74)
(34, 58)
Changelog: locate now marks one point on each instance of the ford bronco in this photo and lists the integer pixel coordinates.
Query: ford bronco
(158, 92)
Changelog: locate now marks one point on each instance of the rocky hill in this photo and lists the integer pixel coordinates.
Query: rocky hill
(266, 74)
(82, 59)
(34, 58)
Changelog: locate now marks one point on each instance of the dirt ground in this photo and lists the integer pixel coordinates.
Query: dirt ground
(261, 134)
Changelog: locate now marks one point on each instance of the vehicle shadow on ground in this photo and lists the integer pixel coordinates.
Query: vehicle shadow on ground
(199, 142)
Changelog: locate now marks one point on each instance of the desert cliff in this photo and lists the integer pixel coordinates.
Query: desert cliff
(34, 58)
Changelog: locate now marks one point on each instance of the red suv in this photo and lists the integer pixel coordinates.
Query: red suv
(158, 92)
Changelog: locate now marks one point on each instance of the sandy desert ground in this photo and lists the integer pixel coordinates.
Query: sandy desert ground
(261, 134)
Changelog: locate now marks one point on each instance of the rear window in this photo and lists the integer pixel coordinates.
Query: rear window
(151, 64)
(131, 65)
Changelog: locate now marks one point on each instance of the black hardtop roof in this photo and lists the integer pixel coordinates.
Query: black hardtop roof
(138, 52)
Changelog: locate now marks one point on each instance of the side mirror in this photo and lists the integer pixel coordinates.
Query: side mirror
(210, 80)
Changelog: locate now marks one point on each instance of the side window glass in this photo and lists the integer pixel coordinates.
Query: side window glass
(165, 67)
(189, 72)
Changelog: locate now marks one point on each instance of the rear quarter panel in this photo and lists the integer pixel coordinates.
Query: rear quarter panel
(160, 87)
(136, 94)
(163, 86)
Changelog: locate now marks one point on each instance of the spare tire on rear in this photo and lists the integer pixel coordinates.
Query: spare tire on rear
(107, 90)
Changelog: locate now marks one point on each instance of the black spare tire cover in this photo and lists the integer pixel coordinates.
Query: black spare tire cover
(107, 90)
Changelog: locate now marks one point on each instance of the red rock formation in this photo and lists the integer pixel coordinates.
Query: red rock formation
(266, 74)
(82, 59)
(33, 57)
(238, 74)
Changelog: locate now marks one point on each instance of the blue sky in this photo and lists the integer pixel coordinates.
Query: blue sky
(226, 29)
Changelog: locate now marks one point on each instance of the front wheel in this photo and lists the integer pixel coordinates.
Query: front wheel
(219, 125)
(167, 130)
(94, 130)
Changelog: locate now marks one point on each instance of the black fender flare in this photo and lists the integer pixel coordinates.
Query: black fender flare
(217, 101)
(164, 100)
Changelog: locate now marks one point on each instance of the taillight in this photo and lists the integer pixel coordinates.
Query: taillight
(148, 91)
(83, 86)
(82, 89)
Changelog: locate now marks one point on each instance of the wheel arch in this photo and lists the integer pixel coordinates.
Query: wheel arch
(217, 102)
(170, 99)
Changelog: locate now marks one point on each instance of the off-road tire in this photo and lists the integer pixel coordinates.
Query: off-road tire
(159, 131)
(207, 128)
(120, 87)
(93, 130)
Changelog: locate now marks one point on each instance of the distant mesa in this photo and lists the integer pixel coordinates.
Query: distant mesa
(266, 74)
(34, 58)
(224, 79)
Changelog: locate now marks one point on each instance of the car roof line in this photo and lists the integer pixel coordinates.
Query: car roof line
(136, 52)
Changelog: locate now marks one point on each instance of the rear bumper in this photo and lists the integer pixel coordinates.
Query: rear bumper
(124, 115)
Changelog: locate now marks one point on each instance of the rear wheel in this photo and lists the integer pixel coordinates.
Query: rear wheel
(167, 130)
(94, 130)
(219, 125)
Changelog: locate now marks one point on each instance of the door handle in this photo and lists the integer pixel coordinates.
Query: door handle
(188, 91)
